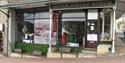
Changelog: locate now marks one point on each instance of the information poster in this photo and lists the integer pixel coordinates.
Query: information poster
(91, 37)
(42, 31)
(1, 27)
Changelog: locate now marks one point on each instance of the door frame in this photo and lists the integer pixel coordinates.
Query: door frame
(98, 27)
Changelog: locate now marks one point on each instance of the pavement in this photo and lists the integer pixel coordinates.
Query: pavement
(118, 57)
(120, 45)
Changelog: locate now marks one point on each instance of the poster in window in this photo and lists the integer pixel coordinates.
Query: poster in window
(92, 37)
(1, 27)
(54, 21)
(55, 17)
(42, 31)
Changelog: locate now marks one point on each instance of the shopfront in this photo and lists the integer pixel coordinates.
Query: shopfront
(84, 25)
(69, 25)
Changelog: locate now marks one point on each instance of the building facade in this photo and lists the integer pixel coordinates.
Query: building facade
(58, 23)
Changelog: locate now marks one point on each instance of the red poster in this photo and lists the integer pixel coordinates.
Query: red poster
(55, 21)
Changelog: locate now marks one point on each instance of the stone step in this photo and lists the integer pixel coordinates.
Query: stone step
(24, 55)
(82, 55)
(58, 55)
(68, 55)
(88, 52)
(53, 55)
(92, 49)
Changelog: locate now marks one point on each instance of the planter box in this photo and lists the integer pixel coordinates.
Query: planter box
(18, 50)
(65, 49)
(37, 53)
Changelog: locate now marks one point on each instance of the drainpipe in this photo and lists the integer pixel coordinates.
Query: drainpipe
(114, 25)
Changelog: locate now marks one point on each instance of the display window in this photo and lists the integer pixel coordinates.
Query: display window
(33, 26)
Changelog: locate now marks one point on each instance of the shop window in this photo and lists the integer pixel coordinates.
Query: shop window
(41, 28)
(33, 27)
(28, 28)
(73, 28)
(107, 26)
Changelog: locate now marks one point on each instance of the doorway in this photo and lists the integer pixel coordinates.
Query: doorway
(92, 28)
(92, 34)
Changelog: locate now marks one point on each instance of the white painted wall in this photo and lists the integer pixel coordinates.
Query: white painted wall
(12, 30)
(3, 19)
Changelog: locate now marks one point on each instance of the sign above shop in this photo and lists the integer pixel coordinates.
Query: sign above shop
(82, 4)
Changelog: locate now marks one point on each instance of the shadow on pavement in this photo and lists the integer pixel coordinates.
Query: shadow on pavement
(123, 39)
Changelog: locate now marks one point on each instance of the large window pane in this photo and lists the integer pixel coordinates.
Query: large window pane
(42, 15)
(33, 27)
(28, 16)
(41, 28)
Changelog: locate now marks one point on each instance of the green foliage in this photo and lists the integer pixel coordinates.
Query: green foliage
(75, 50)
(121, 24)
(29, 48)
(71, 38)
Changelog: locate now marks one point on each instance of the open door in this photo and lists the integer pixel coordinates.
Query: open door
(92, 31)
(92, 34)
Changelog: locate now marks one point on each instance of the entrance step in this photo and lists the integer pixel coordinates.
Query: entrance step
(89, 51)
(53, 55)
(58, 55)
(82, 55)
(92, 49)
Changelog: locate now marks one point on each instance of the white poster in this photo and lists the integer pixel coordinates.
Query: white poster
(92, 14)
(91, 37)
(42, 31)
(1, 27)
(92, 27)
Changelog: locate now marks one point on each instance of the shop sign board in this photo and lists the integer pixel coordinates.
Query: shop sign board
(82, 4)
